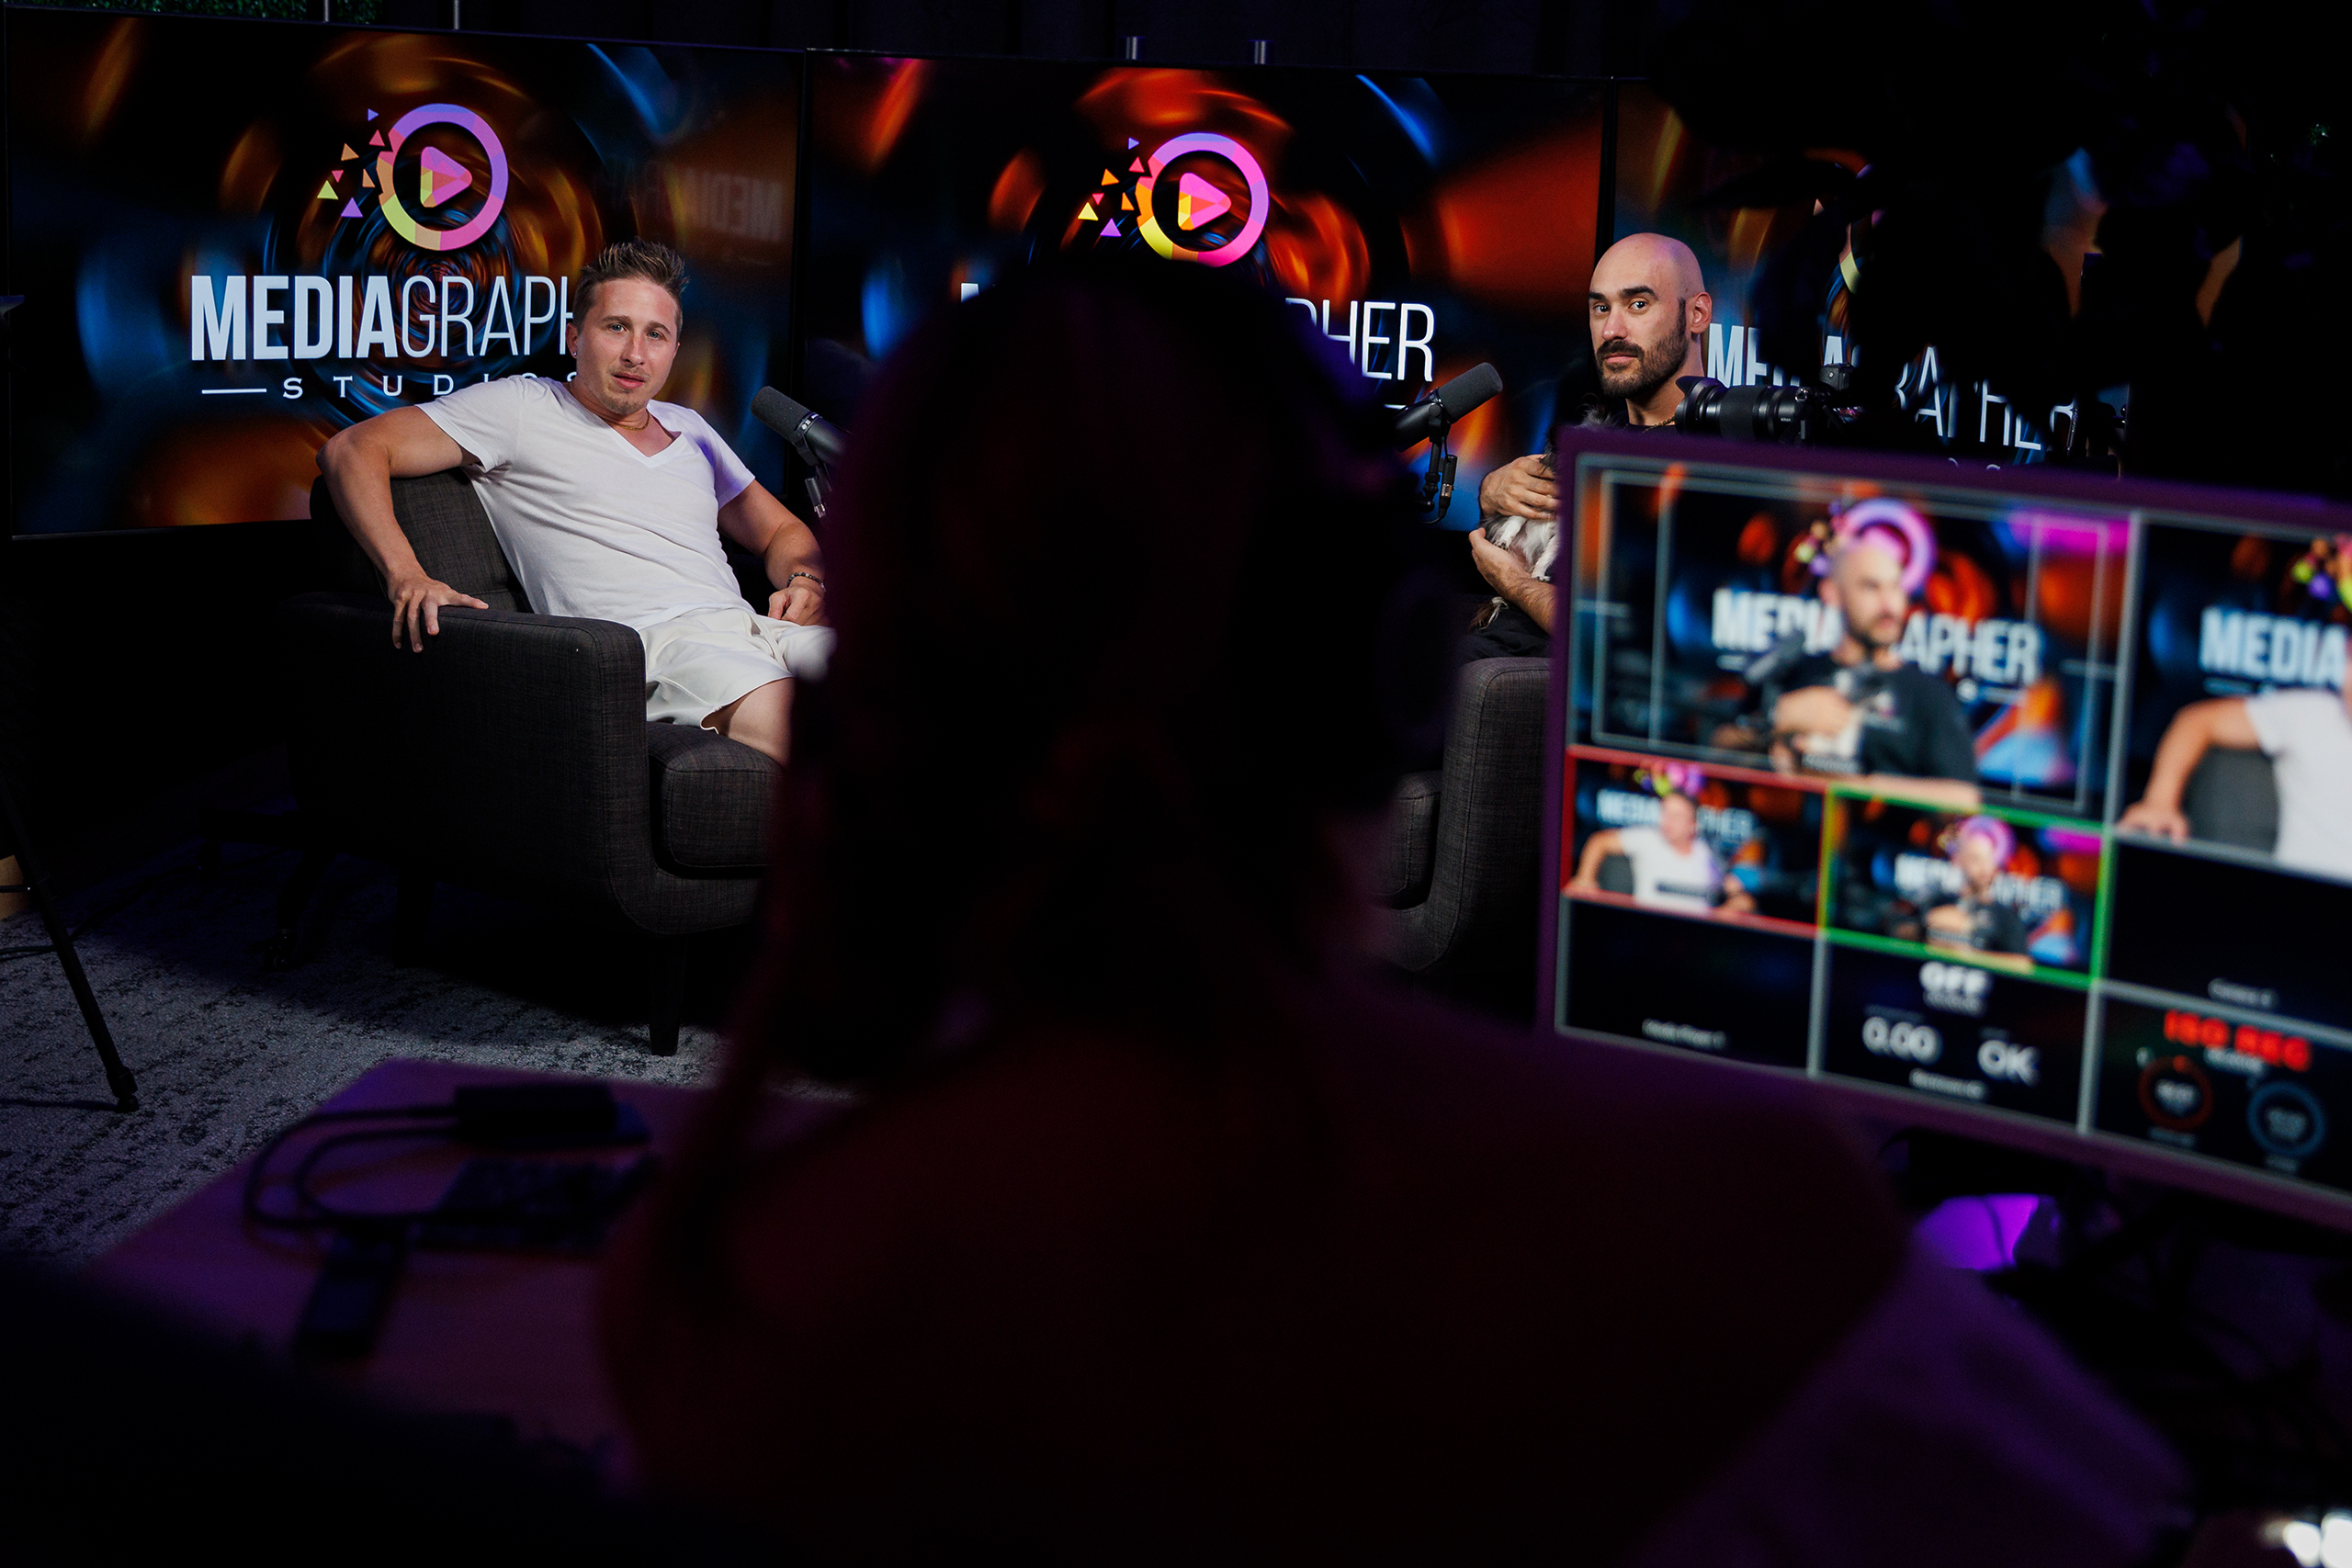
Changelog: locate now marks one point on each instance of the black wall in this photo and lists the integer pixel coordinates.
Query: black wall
(1571, 37)
(135, 663)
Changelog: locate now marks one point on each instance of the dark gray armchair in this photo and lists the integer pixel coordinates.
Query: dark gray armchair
(1461, 883)
(513, 756)
(2232, 797)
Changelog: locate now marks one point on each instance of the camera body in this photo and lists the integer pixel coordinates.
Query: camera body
(1796, 415)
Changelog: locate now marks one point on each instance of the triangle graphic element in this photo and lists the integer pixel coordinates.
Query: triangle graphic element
(376, 139)
(1108, 179)
(347, 153)
(1132, 144)
(1136, 168)
(1197, 201)
(334, 174)
(371, 114)
(1088, 215)
(439, 178)
(1126, 204)
(351, 210)
(1111, 229)
(367, 180)
(327, 191)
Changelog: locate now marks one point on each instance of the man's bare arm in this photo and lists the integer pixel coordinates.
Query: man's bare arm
(764, 525)
(1510, 577)
(1819, 710)
(1598, 848)
(360, 464)
(2194, 730)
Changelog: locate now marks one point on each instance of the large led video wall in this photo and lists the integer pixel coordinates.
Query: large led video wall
(235, 237)
(1425, 224)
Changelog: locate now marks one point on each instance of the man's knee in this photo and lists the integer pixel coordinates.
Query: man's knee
(760, 718)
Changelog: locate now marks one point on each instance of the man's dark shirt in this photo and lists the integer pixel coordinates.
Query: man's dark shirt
(1995, 928)
(1912, 724)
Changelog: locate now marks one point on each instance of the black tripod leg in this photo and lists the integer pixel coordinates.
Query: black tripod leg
(119, 1078)
(668, 1000)
(279, 952)
(61, 937)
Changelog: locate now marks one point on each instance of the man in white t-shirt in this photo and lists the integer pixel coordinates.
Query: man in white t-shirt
(610, 506)
(1673, 867)
(2306, 734)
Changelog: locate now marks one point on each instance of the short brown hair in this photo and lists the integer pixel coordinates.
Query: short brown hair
(651, 260)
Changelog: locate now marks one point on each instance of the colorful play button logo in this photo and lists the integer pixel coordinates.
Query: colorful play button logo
(1197, 201)
(439, 178)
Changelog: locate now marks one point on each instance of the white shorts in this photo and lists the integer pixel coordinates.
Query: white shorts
(697, 664)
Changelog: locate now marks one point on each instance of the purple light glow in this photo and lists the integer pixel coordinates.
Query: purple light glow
(1979, 1233)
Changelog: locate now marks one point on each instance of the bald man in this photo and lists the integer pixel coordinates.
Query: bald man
(1648, 307)
(1858, 711)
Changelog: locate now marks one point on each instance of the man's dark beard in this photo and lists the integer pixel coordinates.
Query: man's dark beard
(1653, 367)
(1872, 646)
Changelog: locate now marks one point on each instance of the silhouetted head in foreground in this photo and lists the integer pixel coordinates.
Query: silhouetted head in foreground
(1128, 642)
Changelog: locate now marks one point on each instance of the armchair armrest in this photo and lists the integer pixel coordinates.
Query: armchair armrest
(510, 754)
(1480, 911)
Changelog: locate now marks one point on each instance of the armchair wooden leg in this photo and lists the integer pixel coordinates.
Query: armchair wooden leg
(281, 950)
(669, 994)
(412, 913)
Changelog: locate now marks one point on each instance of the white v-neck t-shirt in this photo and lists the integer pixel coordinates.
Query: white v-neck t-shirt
(1668, 878)
(595, 528)
(2308, 737)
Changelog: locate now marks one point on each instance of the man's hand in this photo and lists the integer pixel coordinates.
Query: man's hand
(1504, 571)
(1737, 899)
(2152, 815)
(1812, 710)
(1508, 576)
(1522, 488)
(803, 604)
(416, 608)
(1950, 918)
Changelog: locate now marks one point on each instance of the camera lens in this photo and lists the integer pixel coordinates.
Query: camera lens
(1761, 413)
(1742, 413)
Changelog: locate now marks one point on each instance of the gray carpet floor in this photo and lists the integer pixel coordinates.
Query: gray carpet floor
(226, 1052)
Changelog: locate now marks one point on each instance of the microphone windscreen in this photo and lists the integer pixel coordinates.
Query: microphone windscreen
(777, 411)
(1470, 388)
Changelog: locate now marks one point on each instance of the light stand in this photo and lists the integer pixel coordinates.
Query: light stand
(17, 839)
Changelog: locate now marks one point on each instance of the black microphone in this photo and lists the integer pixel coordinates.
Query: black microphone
(806, 431)
(1766, 669)
(1448, 403)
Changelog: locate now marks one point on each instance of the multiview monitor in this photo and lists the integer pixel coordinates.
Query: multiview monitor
(234, 238)
(2015, 802)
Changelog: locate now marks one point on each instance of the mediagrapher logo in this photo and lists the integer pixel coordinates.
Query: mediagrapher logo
(437, 315)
